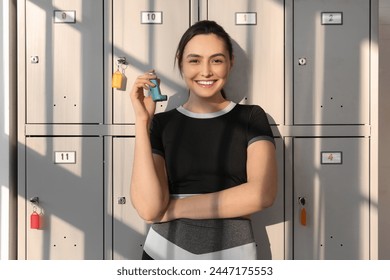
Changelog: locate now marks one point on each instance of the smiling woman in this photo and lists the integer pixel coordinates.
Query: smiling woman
(201, 169)
(205, 70)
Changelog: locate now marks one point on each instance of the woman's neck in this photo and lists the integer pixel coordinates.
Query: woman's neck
(197, 104)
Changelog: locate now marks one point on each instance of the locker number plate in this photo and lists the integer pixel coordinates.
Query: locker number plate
(64, 16)
(65, 157)
(331, 157)
(330, 18)
(151, 17)
(246, 18)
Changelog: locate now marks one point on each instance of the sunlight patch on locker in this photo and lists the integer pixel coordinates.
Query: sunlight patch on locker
(365, 48)
(319, 69)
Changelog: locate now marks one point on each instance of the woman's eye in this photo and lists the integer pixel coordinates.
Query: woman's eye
(217, 61)
(193, 61)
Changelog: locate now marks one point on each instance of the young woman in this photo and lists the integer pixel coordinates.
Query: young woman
(201, 169)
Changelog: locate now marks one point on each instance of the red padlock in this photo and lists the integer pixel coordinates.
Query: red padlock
(35, 220)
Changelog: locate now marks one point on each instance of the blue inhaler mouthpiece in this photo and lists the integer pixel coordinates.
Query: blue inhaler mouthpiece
(155, 92)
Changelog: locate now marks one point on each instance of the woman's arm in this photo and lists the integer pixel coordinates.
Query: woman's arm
(149, 186)
(255, 195)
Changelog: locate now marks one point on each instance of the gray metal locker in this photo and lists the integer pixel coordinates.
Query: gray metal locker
(66, 175)
(331, 61)
(257, 30)
(64, 68)
(146, 34)
(129, 230)
(332, 176)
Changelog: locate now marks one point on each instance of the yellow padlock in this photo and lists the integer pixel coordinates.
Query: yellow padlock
(117, 79)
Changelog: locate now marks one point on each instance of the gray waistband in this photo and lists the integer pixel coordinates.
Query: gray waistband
(160, 248)
(205, 236)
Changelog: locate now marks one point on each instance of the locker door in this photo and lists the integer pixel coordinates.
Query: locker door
(129, 229)
(147, 33)
(331, 61)
(268, 225)
(332, 175)
(64, 46)
(65, 174)
(257, 29)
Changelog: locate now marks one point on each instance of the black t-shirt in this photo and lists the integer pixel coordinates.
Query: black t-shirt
(207, 153)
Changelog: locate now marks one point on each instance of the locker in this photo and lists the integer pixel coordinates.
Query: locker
(64, 175)
(257, 30)
(332, 175)
(146, 34)
(129, 230)
(331, 62)
(64, 69)
(268, 225)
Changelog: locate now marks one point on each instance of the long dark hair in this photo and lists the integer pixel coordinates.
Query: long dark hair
(201, 28)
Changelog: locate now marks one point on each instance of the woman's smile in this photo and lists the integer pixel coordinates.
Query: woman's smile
(206, 83)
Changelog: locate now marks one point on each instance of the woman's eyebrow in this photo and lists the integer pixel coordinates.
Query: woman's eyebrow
(191, 55)
(217, 54)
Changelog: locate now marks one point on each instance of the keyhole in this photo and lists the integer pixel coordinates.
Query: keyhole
(302, 61)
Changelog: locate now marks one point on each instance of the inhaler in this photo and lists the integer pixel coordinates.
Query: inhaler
(155, 91)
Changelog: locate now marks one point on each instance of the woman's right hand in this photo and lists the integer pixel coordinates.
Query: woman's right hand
(144, 107)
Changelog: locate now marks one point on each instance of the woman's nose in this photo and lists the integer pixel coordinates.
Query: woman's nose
(206, 71)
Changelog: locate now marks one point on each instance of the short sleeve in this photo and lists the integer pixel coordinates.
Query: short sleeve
(259, 127)
(156, 137)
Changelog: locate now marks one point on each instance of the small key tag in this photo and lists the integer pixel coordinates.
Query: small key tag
(35, 220)
(117, 79)
(303, 216)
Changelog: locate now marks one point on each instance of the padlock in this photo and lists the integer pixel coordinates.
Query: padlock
(117, 79)
(35, 220)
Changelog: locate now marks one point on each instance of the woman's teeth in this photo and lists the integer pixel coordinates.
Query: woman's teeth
(206, 83)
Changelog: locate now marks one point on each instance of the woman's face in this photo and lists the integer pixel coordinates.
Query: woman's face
(206, 65)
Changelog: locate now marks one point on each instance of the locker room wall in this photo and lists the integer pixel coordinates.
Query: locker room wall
(384, 200)
(117, 133)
